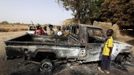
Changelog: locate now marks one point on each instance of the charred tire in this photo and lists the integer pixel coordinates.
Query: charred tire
(121, 59)
(46, 67)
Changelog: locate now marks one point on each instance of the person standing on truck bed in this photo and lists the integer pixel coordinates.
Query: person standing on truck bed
(45, 30)
(51, 31)
(106, 52)
(39, 30)
(59, 32)
(65, 31)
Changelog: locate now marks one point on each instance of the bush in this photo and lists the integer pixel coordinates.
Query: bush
(4, 22)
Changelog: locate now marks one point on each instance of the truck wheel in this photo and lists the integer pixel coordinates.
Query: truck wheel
(121, 59)
(46, 67)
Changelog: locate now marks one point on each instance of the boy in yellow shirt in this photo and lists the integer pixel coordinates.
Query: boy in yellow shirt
(106, 52)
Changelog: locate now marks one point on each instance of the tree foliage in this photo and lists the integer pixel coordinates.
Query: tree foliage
(120, 12)
(83, 10)
(4, 22)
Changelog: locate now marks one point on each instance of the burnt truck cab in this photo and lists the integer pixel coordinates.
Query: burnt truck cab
(92, 39)
(83, 44)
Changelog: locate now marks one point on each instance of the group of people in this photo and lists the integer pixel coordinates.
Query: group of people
(40, 31)
(44, 31)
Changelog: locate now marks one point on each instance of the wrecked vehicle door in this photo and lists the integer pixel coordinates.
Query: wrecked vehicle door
(93, 39)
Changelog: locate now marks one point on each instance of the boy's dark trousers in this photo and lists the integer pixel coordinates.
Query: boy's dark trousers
(105, 62)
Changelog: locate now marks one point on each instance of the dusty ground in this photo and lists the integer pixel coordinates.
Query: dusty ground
(6, 67)
(13, 27)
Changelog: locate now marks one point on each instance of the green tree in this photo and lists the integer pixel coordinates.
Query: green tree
(4, 22)
(83, 10)
(120, 12)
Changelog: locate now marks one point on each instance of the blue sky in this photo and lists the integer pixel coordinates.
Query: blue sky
(38, 11)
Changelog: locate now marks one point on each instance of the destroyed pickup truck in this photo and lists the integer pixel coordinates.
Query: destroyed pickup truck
(83, 44)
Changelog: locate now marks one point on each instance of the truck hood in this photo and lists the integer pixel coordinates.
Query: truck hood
(124, 46)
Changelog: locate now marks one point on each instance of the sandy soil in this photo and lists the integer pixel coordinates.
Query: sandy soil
(13, 27)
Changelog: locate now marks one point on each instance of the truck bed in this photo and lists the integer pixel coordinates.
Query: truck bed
(17, 46)
(27, 39)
